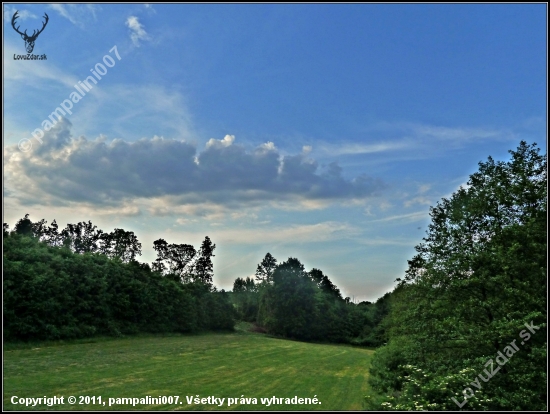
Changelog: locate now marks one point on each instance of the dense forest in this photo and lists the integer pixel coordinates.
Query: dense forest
(467, 327)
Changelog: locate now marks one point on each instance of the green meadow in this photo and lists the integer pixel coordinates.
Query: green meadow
(221, 365)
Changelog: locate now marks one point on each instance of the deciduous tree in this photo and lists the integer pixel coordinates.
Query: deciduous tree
(173, 259)
(82, 237)
(265, 269)
(478, 278)
(121, 244)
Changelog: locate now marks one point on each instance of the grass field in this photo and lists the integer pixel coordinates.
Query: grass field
(225, 365)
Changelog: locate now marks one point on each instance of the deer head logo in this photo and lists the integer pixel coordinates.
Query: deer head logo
(29, 40)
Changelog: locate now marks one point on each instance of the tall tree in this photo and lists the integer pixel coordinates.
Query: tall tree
(324, 283)
(174, 259)
(121, 244)
(292, 301)
(39, 229)
(204, 268)
(244, 285)
(52, 236)
(159, 265)
(82, 237)
(265, 269)
(24, 226)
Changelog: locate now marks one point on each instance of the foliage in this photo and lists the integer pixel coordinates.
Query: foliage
(478, 278)
(82, 237)
(181, 262)
(423, 391)
(203, 268)
(24, 226)
(55, 292)
(244, 285)
(174, 259)
(245, 298)
(121, 244)
(265, 269)
(294, 303)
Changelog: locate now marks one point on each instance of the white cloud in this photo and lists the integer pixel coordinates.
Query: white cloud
(22, 15)
(423, 188)
(268, 146)
(154, 105)
(418, 200)
(415, 141)
(136, 105)
(225, 142)
(34, 74)
(77, 14)
(60, 8)
(385, 205)
(456, 134)
(149, 7)
(356, 148)
(137, 32)
(411, 217)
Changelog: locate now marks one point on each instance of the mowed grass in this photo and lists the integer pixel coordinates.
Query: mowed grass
(220, 365)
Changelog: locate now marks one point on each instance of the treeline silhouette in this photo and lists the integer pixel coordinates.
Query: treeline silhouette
(81, 282)
(288, 301)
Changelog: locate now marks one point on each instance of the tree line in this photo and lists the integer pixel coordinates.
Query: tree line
(81, 281)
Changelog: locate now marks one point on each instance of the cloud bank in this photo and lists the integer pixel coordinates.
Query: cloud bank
(64, 170)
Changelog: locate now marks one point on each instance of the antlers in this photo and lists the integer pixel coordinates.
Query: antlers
(13, 24)
(44, 25)
(34, 34)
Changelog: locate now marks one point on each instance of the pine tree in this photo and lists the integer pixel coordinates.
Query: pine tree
(204, 268)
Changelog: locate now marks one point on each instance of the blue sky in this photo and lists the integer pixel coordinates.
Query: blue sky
(323, 132)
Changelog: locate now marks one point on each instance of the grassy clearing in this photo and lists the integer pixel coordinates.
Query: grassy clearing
(221, 365)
